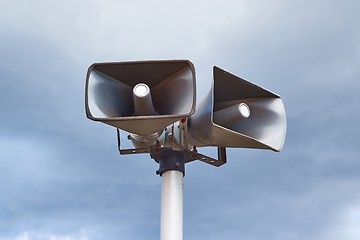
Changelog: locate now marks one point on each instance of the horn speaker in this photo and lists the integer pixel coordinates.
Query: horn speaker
(140, 97)
(237, 113)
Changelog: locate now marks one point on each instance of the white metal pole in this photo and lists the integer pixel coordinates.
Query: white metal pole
(171, 223)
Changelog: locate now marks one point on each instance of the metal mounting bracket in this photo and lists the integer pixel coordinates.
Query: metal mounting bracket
(130, 150)
(193, 154)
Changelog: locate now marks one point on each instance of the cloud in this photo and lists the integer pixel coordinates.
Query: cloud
(63, 177)
(38, 236)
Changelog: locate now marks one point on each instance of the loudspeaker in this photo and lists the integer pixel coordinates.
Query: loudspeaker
(237, 113)
(140, 97)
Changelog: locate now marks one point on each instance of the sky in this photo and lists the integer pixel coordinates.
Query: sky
(62, 178)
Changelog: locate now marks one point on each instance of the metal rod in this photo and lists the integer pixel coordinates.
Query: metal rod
(171, 223)
(222, 154)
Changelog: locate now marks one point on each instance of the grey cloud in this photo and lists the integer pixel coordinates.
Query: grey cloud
(62, 175)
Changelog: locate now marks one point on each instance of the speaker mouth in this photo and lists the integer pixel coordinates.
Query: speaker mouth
(231, 115)
(141, 90)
